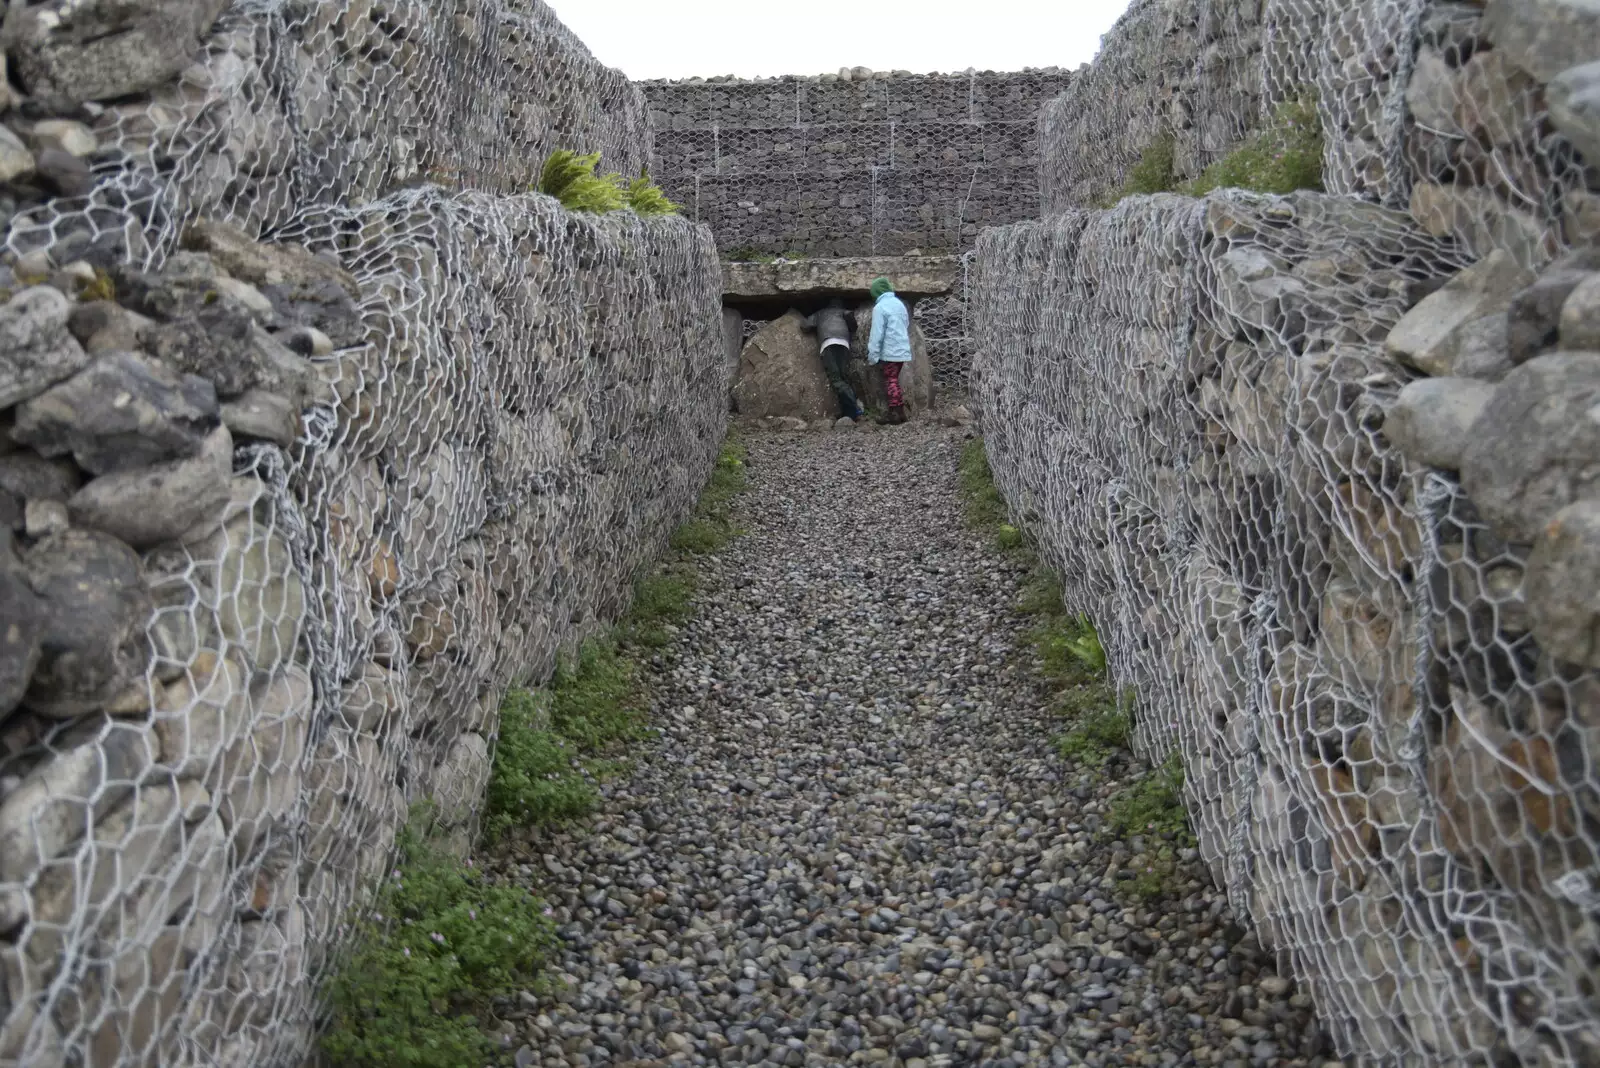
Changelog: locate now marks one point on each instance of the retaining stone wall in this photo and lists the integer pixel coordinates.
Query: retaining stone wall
(1442, 108)
(1316, 467)
(877, 165)
(283, 517)
(1356, 603)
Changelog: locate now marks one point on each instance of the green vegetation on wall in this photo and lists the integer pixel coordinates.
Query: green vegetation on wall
(571, 179)
(1285, 156)
(557, 742)
(1154, 173)
(443, 940)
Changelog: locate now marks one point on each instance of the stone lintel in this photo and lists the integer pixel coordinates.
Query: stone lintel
(913, 276)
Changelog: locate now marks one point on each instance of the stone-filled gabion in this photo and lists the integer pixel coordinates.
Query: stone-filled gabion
(1355, 604)
(857, 163)
(1472, 116)
(282, 518)
(259, 108)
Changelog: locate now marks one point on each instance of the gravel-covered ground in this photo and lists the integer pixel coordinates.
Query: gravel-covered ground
(855, 843)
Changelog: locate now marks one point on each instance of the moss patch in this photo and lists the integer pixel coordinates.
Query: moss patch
(440, 944)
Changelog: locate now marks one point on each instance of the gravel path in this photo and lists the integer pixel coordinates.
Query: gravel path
(854, 843)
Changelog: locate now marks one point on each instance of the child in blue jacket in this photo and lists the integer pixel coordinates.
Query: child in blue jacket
(890, 344)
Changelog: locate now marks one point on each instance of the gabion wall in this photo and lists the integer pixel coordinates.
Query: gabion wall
(1318, 468)
(284, 515)
(877, 163)
(1434, 106)
(1191, 68)
(1372, 670)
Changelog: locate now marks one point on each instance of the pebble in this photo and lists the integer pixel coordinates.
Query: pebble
(862, 847)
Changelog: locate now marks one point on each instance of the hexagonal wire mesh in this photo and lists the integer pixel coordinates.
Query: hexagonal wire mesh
(1391, 774)
(508, 408)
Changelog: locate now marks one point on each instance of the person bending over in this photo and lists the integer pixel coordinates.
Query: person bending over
(833, 336)
(889, 343)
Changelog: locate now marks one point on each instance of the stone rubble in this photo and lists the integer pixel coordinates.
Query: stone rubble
(853, 843)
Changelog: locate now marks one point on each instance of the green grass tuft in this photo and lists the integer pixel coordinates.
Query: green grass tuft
(1154, 805)
(711, 527)
(1284, 157)
(1102, 730)
(571, 179)
(660, 600)
(536, 776)
(440, 944)
(985, 505)
(1069, 649)
(645, 198)
(699, 537)
(593, 698)
(1154, 173)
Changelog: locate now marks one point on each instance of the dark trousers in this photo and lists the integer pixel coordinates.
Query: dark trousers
(833, 359)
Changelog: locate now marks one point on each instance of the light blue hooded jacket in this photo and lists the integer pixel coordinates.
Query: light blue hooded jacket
(890, 339)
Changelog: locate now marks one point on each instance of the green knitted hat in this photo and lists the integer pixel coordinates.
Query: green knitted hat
(880, 286)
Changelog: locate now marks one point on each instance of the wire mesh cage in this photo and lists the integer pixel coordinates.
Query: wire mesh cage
(343, 433)
(1349, 636)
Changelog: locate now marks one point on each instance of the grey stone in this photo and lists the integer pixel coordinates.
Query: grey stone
(15, 159)
(1544, 37)
(1534, 317)
(102, 326)
(66, 52)
(34, 478)
(913, 276)
(64, 174)
(95, 607)
(44, 518)
(224, 345)
(252, 582)
(36, 349)
(1484, 220)
(1481, 348)
(304, 289)
(201, 714)
(21, 626)
(1496, 100)
(266, 416)
(1536, 446)
(1563, 585)
(1432, 94)
(1574, 103)
(1431, 420)
(1580, 316)
(122, 412)
(260, 264)
(63, 135)
(172, 501)
(54, 805)
(1427, 337)
(780, 374)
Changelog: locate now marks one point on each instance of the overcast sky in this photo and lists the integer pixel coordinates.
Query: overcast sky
(680, 38)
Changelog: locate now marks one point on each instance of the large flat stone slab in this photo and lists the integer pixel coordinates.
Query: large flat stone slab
(913, 276)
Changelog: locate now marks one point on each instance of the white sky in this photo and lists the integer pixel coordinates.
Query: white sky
(681, 38)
